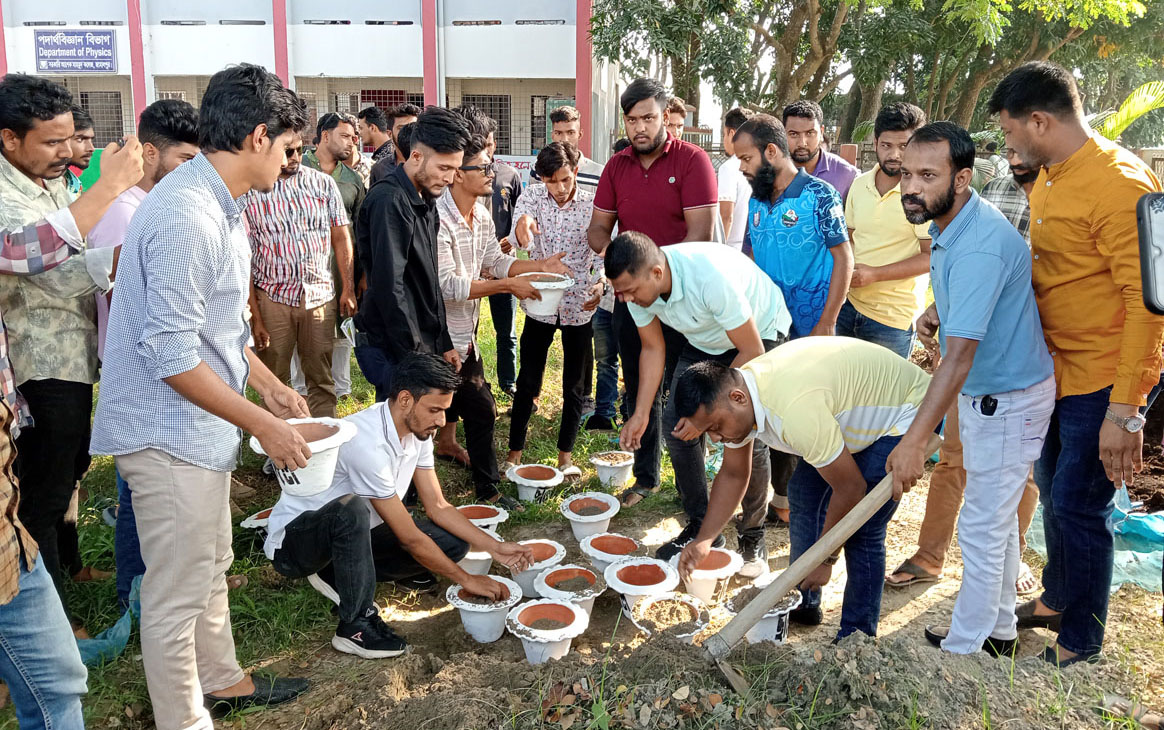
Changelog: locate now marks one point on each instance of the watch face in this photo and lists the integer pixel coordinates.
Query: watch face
(1134, 424)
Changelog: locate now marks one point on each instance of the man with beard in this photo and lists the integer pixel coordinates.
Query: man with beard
(1105, 343)
(83, 147)
(403, 309)
(891, 255)
(804, 122)
(665, 188)
(1011, 193)
(398, 117)
(994, 361)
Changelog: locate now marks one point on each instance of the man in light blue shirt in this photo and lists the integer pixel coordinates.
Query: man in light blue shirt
(994, 360)
(730, 312)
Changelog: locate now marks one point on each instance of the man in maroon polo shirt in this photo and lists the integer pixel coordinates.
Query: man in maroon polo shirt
(665, 188)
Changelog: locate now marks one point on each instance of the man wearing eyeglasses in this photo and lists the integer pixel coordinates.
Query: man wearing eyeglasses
(467, 247)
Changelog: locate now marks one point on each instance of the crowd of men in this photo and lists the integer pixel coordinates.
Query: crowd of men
(774, 309)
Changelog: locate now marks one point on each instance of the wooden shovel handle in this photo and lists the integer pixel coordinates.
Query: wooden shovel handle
(718, 645)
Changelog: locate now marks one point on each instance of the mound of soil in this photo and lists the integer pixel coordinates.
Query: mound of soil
(675, 617)
(614, 458)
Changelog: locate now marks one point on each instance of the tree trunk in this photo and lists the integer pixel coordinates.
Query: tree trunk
(849, 121)
(871, 100)
(968, 99)
(910, 81)
(935, 74)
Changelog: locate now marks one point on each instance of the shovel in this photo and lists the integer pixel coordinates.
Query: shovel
(720, 644)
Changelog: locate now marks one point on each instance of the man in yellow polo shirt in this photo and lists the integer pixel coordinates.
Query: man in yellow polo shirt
(892, 256)
(839, 403)
(1103, 341)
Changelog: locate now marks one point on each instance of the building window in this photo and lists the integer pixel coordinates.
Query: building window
(179, 95)
(497, 107)
(105, 108)
(537, 123)
(383, 98)
(348, 103)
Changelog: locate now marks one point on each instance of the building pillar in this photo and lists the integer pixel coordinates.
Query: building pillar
(282, 57)
(139, 90)
(584, 72)
(428, 29)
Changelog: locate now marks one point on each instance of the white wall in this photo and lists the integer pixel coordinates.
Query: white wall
(371, 50)
(509, 51)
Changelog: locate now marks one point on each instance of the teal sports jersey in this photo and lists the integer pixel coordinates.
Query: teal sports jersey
(790, 240)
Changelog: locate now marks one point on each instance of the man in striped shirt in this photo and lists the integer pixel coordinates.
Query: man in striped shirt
(293, 229)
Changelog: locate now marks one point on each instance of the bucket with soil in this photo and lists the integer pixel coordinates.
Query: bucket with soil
(774, 625)
(484, 619)
(552, 287)
(634, 578)
(478, 562)
(719, 565)
(324, 436)
(546, 627)
(613, 467)
(606, 548)
(485, 516)
(534, 481)
(571, 583)
(589, 513)
(677, 614)
(547, 554)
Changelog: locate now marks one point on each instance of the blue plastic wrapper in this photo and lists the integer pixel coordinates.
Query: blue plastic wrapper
(110, 643)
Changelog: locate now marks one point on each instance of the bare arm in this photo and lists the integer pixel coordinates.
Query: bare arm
(727, 491)
(600, 231)
(909, 268)
(341, 244)
(652, 362)
(700, 223)
(747, 341)
(258, 330)
(727, 209)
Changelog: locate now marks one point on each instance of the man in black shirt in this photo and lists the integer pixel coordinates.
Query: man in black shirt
(403, 309)
(397, 118)
(374, 129)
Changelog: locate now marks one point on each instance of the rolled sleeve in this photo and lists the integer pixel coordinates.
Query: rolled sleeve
(99, 264)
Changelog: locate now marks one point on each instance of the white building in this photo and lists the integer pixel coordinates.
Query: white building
(509, 57)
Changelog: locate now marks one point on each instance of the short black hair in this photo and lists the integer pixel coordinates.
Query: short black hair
(331, 120)
(441, 130)
(734, 118)
(404, 139)
(81, 119)
(565, 114)
(641, 90)
(168, 122)
(240, 98)
(900, 116)
(402, 110)
(421, 373)
(765, 129)
(475, 146)
(25, 99)
(1037, 86)
(620, 144)
(961, 145)
(991, 146)
(374, 116)
(554, 157)
(479, 122)
(630, 253)
(804, 109)
(701, 385)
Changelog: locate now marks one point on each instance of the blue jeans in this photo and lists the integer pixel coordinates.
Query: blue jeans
(606, 360)
(376, 367)
(851, 323)
(808, 499)
(501, 310)
(126, 548)
(39, 660)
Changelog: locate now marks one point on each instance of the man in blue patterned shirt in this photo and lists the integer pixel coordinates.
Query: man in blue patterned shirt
(172, 399)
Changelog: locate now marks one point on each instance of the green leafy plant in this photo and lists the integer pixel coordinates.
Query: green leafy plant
(1144, 99)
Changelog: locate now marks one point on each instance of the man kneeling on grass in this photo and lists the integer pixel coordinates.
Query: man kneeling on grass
(358, 532)
(839, 403)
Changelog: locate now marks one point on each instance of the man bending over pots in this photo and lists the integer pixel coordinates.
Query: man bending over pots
(842, 405)
(729, 311)
(357, 532)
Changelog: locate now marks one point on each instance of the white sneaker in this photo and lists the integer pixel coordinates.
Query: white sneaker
(754, 550)
(324, 587)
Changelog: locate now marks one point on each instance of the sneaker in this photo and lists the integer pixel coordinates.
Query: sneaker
(670, 549)
(599, 423)
(425, 582)
(327, 589)
(368, 637)
(754, 550)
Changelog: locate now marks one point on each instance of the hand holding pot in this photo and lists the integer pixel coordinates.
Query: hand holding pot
(480, 585)
(555, 265)
(818, 578)
(513, 555)
(522, 288)
(692, 556)
(283, 444)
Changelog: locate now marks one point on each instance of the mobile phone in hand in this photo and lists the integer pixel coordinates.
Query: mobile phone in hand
(1150, 221)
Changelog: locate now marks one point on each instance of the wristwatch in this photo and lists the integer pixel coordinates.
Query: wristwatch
(1131, 424)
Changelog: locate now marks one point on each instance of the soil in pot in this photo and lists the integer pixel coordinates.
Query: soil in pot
(675, 617)
(746, 596)
(536, 473)
(544, 278)
(614, 458)
(478, 600)
(312, 432)
(573, 585)
(588, 507)
(547, 624)
(588, 511)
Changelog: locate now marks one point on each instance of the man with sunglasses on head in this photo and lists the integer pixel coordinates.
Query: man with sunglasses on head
(467, 248)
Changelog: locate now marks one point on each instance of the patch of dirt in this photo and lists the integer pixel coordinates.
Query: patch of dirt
(748, 594)
(589, 511)
(614, 458)
(675, 617)
(478, 600)
(1149, 484)
(573, 585)
(547, 624)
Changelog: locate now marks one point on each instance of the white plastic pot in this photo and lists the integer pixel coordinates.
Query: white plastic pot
(634, 578)
(546, 582)
(613, 475)
(774, 624)
(534, 484)
(547, 554)
(317, 475)
(552, 287)
(484, 622)
(542, 645)
(478, 563)
(586, 525)
(606, 548)
(700, 615)
(485, 516)
(720, 564)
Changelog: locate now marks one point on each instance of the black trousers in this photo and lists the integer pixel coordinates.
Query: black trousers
(335, 542)
(473, 403)
(51, 456)
(577, 360)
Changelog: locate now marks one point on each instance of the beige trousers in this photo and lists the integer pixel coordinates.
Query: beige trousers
(313, 331)
(183, 523)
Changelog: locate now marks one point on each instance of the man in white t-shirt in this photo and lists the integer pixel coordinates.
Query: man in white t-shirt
(358, 532)
(734, 189)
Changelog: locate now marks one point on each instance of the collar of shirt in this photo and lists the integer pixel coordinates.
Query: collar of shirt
(950, 236)
(870, 183)
(417, 200)
(1078, 158)
(448, 209)
(676, 294)
(13, 177)
(384, 150)
(794, 188)
(217, 185)
(762, 427)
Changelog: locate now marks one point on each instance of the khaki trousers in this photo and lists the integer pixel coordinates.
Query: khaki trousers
(313, 332)
(947, 483)
(183, 522)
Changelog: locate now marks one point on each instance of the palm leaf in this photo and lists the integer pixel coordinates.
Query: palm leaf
(862, 131)
(1144, 99)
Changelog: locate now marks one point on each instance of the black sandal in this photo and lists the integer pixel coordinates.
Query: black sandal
(642, 491)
